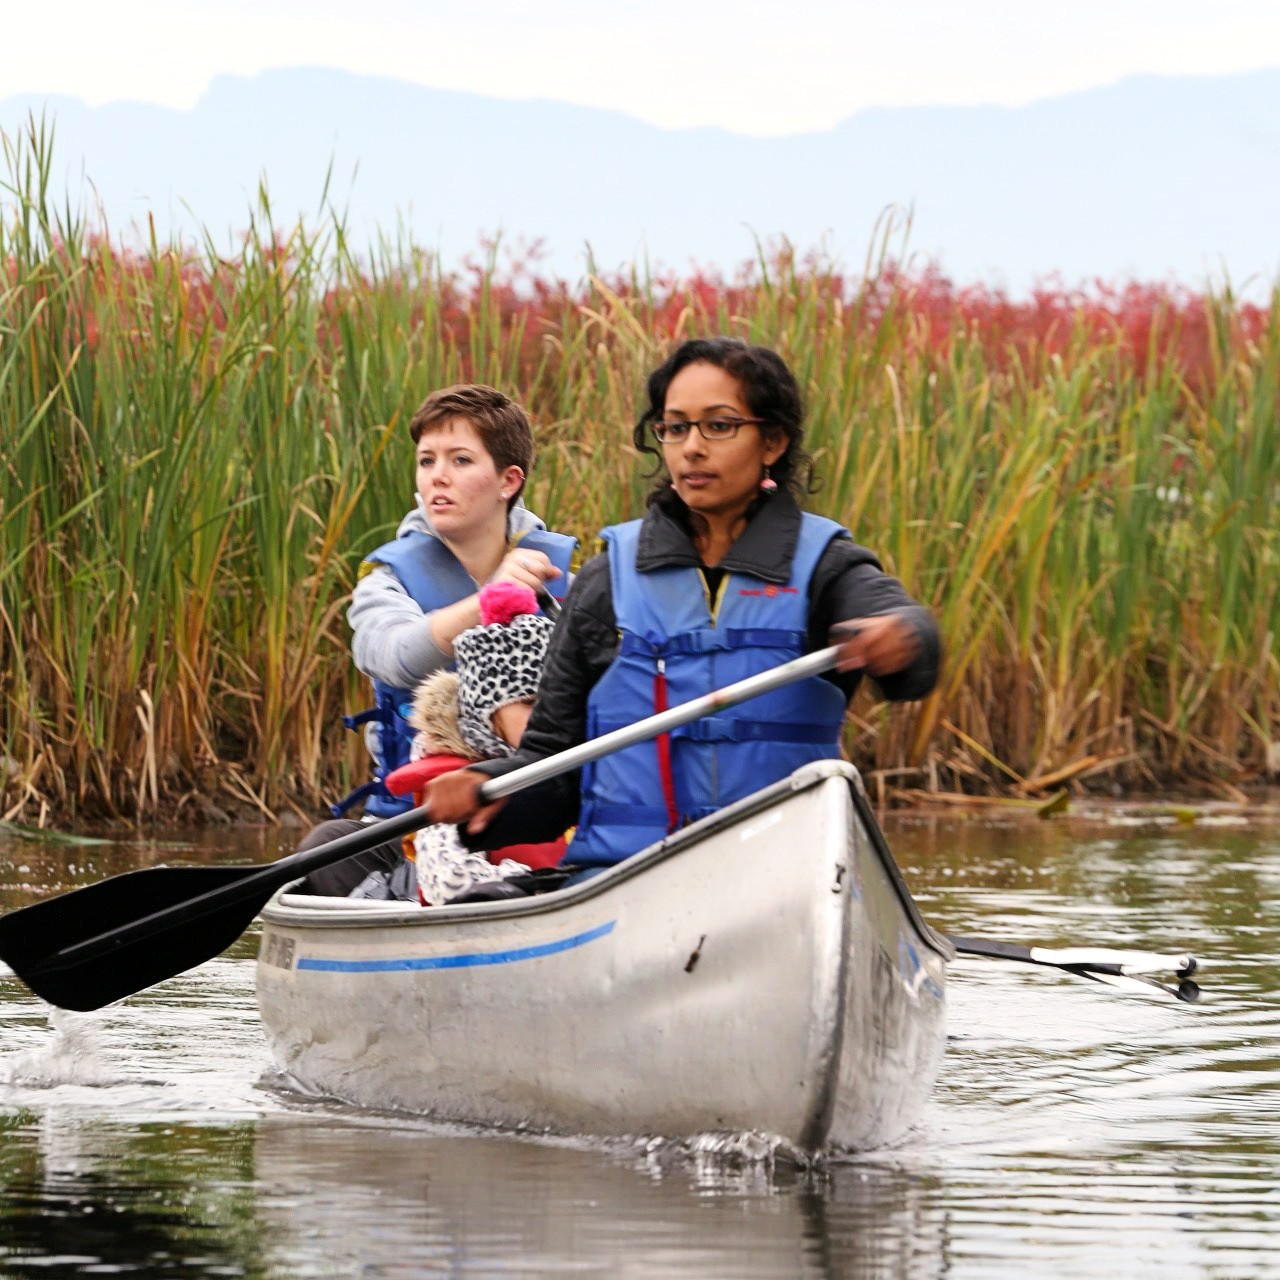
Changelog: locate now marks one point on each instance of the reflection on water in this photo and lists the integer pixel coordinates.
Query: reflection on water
(83, 1196)
(566, 1209)
(1075, 1131)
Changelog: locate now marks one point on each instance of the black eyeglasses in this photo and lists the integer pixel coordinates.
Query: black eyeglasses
(708, 428)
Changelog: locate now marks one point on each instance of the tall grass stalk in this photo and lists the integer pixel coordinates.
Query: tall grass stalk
(197, 449)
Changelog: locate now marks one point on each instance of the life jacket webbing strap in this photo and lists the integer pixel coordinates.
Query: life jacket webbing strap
(664, 749)
(628, 815)
(709, 640)
(719, 729)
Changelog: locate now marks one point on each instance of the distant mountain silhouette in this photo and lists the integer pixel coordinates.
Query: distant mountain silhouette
(1152, 178)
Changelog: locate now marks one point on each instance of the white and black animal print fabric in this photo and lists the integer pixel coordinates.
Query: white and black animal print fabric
(497, 664)
(446, 868)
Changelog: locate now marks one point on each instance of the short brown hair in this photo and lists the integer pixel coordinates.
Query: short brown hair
(502, 425)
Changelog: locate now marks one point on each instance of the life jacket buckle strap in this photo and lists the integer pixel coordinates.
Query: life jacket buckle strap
(379, 715)
(362, 792)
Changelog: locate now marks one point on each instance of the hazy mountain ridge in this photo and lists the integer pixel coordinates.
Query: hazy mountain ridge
(1151, 177)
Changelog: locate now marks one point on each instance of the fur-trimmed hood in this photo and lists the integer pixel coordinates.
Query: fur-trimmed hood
(435, 716)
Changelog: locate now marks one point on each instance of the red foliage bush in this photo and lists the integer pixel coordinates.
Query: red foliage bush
(1168, 326)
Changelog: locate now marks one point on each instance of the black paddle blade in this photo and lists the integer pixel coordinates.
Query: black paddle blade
(91, 946)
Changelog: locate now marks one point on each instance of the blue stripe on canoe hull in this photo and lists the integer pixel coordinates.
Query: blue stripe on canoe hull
(466, 961)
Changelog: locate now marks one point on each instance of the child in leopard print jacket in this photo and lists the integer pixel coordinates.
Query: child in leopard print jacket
(477, 713)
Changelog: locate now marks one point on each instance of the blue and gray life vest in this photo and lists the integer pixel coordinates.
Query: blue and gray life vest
(434, 578)
(676, 644)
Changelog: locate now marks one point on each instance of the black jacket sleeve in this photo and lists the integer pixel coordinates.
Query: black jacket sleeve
(848, 584)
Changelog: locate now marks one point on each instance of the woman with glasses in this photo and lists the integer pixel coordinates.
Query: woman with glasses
(724, 576)
(418, 593)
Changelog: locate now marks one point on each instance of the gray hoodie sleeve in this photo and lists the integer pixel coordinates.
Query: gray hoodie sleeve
(391, 638)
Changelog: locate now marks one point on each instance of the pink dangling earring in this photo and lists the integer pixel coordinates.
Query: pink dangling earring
(768, 484)
(672, 485)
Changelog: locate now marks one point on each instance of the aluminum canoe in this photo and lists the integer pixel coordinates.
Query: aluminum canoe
(765, 969)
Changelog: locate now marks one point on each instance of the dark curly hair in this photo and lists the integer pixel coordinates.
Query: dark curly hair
(769, 389)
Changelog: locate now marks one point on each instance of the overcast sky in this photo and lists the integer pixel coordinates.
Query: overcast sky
(753, 66)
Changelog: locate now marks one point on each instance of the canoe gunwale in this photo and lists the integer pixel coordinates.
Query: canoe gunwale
(936, 941)
(301, 910)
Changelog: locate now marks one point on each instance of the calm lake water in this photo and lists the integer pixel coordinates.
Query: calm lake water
(1075, 1130)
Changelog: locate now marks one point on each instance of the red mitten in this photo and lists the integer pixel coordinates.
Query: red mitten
(415, 775)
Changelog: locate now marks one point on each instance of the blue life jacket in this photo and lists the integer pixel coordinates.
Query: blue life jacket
(434, 578)
(676, 645)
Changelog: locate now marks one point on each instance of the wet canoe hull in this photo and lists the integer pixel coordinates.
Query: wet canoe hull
(764, 970)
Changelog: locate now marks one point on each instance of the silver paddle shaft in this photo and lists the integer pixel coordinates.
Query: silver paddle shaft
(812, 664)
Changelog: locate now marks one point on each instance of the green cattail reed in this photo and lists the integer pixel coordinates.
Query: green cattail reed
(197, 449)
